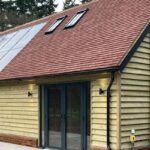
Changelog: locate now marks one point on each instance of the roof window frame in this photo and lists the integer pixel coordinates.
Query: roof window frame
(84, 11)
(50, 31)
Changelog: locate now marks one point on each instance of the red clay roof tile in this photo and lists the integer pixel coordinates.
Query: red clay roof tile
(100, 40)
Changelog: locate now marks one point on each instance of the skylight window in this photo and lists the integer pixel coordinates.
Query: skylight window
(55, 25)
(76, 18)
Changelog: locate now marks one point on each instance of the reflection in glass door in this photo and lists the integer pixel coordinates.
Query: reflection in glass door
(54, 115)
(73, 118)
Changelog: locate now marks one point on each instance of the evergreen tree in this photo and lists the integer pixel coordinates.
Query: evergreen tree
(13, 13)
(71, 3)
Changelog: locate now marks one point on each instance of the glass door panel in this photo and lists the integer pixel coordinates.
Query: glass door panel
(67, 117)
(54, 115)
(73, 118)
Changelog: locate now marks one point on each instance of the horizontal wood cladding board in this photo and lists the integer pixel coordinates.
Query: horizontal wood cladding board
(134, 105)
(134, 110)
(18, 112)
(18, 125)
(139, 138)
(135, 82)
(136, 77)
(135, 93)
(135, 116)
(135, 88)
(137, 71)
(138, 66)
(103, 116)
(20, 133)
(99, 113)
(102, 127)
(136, 127)
(28, 130)
(103, 132)
(144, 50)
(19, 116)
(141, 143)
(135, 97)
(138, 133)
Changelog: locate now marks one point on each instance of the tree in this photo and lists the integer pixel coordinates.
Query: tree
(71, 3)
(17, 12)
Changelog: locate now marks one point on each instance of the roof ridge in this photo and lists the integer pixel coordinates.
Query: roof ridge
(46, 17)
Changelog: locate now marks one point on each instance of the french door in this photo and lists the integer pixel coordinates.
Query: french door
(66, 117)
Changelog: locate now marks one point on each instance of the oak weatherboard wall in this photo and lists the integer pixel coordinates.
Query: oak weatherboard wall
(135, 97)
(99, 113)
(19, 114)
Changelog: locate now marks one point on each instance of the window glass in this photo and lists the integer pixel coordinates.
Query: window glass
(55, 25)
(75, 19)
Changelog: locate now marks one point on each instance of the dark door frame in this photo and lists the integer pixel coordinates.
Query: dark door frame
(44, 101)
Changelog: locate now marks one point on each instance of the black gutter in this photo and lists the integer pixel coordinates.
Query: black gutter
(108, 110)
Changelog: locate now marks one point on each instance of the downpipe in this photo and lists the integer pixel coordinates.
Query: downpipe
(108, 110)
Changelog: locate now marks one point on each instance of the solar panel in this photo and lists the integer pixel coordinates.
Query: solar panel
(76, 18)
(16, 39)
(11, 44)
(55, 25)
(5, 38)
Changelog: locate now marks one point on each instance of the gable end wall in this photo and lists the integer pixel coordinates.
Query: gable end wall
(135, 97)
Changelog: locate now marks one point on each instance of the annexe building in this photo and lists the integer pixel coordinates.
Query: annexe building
(79, 79)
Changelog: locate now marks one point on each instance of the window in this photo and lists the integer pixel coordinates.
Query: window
(55, 25)
(76, 18)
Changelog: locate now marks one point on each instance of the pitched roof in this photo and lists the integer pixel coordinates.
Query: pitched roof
(101, 40)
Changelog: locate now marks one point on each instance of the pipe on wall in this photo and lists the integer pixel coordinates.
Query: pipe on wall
(108, 109)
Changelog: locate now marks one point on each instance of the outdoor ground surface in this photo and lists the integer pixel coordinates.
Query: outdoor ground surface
(8, 146)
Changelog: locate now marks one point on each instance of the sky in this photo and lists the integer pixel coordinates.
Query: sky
(60, 4)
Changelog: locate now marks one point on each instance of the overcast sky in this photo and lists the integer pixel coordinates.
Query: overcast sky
(60, 4)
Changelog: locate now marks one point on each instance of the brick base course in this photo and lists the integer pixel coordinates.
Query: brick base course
(98, 148)
(27, 141)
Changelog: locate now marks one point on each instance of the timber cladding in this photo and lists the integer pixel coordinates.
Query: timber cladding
(19, 113)
(99, 114)
(137, 148)
(135, 97)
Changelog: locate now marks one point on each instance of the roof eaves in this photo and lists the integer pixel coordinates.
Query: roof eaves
(85, 72)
